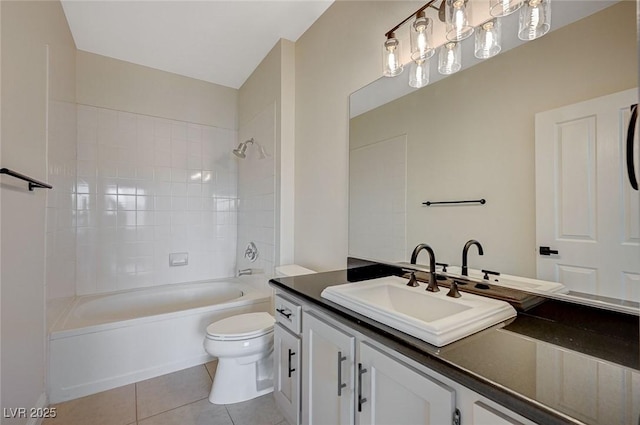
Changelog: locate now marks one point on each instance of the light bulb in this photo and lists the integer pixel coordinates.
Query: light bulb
(421, 37)
(499, 8)
(392, 65)
(449, 60)
(419, 76)
(535, 19)
(488, 39)
(457, 14)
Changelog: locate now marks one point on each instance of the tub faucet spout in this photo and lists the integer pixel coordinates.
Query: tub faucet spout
(244, 272)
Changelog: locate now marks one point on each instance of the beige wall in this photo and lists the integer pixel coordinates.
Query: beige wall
(1, 403)
(272, 87)
(124, 86)
(471, 136)
(27, 27)
(285, 162)
(339, 54)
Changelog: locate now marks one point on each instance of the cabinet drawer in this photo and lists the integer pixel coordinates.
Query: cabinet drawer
(288, 314)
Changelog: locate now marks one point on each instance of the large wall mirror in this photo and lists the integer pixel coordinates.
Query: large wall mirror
(524, 130)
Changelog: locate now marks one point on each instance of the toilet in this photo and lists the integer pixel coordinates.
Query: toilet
(243, 345)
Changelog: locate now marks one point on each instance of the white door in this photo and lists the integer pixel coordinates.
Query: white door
(585, 207)
(392, 393)
(327, 373)
(286, 386)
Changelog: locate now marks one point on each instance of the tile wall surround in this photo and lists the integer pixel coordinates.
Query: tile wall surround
(147, 187)
(256, 192)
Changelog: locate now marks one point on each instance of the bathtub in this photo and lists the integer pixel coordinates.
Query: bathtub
(105, 341)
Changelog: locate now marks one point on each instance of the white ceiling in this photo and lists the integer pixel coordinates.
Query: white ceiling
(215, 40)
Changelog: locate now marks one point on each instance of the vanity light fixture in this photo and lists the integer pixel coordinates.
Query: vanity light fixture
(391, 56)
(535, 19)
(449, 58)
(455, 15)
(499, 8)
(457, 19)
(488, 39)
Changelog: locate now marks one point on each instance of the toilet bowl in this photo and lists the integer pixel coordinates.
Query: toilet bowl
(243, 345)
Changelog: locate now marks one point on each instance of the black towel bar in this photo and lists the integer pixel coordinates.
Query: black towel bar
(475, 201)
(32, 182)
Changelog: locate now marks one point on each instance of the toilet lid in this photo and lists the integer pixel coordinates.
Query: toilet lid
(241, 326)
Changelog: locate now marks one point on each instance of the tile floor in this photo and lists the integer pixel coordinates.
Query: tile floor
(179, 398)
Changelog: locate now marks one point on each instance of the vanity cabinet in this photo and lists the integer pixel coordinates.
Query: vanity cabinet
(346, 378)
(349, 381)
(328, 373)
(287, 357)
(286, 379)
(391, 392)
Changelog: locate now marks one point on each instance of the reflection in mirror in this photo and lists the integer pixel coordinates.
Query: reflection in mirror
(601, 392)
(527, 130)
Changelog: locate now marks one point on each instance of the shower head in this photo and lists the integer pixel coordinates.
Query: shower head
(242, 148)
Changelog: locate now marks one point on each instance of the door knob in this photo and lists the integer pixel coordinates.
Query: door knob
(545, 250)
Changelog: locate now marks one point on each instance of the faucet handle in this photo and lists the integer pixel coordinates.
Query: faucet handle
(412, 280)
(444, 266)
(488, 272)
(453, 291)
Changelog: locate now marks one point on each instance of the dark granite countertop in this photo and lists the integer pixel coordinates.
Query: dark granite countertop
(555, 363)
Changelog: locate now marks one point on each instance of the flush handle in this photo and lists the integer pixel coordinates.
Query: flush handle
(545, 250)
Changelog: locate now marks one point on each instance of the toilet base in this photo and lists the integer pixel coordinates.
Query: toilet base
(235, 382)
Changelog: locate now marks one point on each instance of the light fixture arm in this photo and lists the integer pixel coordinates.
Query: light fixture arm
(389, 34)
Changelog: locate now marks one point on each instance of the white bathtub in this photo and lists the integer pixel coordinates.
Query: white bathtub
(105, 341)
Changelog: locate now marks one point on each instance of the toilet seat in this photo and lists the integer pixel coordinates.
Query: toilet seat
(240, 327)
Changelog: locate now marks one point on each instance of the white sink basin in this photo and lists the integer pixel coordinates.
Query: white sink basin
(431, 317)
(516, 282)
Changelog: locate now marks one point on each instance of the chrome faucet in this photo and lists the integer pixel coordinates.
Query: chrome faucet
(433, 285)
(465, 250)
(244, 272)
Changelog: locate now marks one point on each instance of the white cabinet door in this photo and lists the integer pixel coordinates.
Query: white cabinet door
(286, 385)
(392, 393)
(585, 206)
(485, 415)
(327, 373)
